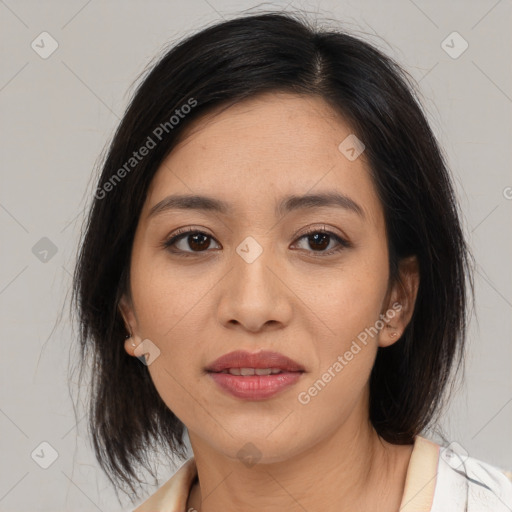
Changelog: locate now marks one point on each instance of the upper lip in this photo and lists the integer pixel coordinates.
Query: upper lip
(262, 359)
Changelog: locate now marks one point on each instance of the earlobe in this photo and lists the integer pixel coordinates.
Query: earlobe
(130, 345)
(392, 331)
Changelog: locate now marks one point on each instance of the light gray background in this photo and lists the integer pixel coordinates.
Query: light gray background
(57, 115)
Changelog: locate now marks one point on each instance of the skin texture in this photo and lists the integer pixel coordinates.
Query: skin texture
(323, 455)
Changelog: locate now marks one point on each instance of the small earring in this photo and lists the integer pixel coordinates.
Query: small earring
(133, 344)
(393, 334)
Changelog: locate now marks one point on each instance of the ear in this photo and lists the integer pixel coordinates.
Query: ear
(399, 304)
(127, 311)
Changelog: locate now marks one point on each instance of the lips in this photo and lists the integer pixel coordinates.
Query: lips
(259, 360)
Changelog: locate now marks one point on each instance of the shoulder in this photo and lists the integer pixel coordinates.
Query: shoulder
(467, 483)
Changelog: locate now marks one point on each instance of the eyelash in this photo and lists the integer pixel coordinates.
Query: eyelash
(181, 233)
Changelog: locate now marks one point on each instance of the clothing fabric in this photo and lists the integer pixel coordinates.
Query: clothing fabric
(438, 479)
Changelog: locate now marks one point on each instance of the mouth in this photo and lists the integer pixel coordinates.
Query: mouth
(254, 376)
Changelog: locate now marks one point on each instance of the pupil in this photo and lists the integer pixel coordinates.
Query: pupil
(324, 236)
(198, 246)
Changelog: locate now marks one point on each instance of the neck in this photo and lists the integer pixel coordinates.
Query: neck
(352, 469)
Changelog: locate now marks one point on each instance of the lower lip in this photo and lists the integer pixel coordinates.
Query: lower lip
(255, 387)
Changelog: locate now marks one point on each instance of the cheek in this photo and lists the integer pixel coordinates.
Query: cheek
(167, 296)
(346, 358)
(349, 300)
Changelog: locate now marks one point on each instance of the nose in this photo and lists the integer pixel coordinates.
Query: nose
(254, 293)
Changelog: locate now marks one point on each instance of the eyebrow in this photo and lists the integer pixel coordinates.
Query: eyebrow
(287, 204)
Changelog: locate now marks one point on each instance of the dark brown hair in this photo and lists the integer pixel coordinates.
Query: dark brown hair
(224, 64)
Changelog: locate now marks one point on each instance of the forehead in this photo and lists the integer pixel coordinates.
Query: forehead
(261, 149)
(281, 125)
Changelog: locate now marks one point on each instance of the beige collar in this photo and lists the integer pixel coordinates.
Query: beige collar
(420, 481)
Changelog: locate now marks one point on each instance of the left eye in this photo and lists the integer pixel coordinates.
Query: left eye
(321, 240)
(198, 241)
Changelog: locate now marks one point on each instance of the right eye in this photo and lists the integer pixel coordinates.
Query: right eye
(196, 240)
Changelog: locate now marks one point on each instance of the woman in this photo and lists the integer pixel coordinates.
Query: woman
(276, 234)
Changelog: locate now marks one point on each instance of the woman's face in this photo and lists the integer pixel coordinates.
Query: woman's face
(255, 282)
